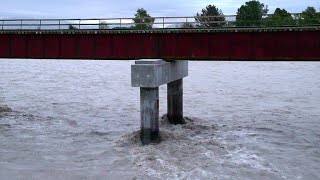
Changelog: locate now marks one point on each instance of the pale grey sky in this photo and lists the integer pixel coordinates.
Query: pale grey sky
(126, 8)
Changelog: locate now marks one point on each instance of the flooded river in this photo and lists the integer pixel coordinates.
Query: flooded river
(80, 120)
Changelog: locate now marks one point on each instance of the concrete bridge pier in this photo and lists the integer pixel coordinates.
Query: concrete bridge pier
(149, 114)
(149, 75)
(175, 102)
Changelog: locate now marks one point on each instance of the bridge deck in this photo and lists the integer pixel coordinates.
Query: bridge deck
(277, 43)
(163, 30)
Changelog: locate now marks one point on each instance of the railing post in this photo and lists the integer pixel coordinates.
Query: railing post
(21, 25)
(40, 25)
(120, 22)
(59, 24)
(162, 23)
(79, 23)
(2, 24)
(186, 26)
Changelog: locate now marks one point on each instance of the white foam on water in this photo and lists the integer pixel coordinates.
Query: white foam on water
(178, 154)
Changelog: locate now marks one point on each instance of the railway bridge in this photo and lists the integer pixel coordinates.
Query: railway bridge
(92, 39)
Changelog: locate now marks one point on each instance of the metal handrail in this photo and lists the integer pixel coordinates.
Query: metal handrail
(161, 22)
(155, 17)
(89, 19)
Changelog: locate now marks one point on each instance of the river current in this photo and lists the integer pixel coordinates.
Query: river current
(80, 120)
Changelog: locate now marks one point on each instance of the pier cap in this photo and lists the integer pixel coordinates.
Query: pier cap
(148, 73)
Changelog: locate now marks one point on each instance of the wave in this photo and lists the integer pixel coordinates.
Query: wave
(182, 147)
(5, 109)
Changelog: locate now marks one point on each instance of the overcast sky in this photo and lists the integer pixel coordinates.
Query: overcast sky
(126, 8)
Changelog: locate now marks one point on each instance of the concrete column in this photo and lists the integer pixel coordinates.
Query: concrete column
(149, 109)
(175, 102)
(149, 75)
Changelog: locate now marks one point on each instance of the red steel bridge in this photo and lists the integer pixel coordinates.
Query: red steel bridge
(171, 38)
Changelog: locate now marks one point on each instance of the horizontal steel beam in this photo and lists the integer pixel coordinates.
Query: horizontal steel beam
(161, 30)
(210, 45)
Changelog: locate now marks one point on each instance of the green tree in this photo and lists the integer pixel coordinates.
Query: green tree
(210, 10)
(142, 16)
(72, 27)
(251, 14)
(103, 25)
(280, 17)
(187, 25)
(310, 16)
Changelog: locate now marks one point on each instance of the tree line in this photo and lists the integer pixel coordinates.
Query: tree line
(252, 13)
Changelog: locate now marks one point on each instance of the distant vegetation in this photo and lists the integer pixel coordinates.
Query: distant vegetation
(254, 13)
(310, 16)
(72, 27)
(251, 13)
(103, 25)
(280, 17)
(210, 10)
(187, 25)
(141, 17)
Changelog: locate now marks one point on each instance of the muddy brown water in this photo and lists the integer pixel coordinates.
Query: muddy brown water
(80, 120)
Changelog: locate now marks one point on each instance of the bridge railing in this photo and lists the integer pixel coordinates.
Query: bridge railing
(188, 22)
